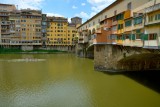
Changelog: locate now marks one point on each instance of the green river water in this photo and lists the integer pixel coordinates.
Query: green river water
(64, 80)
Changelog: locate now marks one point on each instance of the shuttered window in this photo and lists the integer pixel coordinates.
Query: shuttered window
(158, 16)
(133, 37)
(138, 20)
(153, 36)
(120, 17)
(120, 26)
(128, 23)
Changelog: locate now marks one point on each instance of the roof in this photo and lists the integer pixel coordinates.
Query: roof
(7, 4)
(76, 18)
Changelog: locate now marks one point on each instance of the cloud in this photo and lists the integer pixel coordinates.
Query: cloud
(98, 5)
(23, 4)
(74, 7)
(54, 14)
(83, 15)
(83, 4)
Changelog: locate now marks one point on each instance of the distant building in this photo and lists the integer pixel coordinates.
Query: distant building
(7, 7)
(76, 20)
(60, 33)
(5, 24)
(31, 28)
(57, 32)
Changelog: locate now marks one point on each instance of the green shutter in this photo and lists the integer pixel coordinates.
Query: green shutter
(155, 36)
(118, 26)
(133, 36)
(117, 17)
(123, 37)
(145, 37)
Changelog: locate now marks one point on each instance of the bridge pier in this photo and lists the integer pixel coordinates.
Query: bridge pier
(119, 58)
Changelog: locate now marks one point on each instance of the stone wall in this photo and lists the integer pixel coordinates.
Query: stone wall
(108, 57)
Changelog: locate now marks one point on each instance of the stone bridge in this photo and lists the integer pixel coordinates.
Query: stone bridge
(117, 58)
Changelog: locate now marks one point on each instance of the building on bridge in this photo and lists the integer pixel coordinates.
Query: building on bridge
(121, 29)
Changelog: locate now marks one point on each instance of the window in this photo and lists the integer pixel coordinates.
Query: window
(138, 20)
(93, 23)
(128, 23)
(129, 6)
(89, 25)
(157, 17)
(105, 22)
(153, 36)
(114, 28)
(115, 12)
(99, 20)
(138, 36)
(150, 18)
(119, 16)
(120, 26)
(113, 19)
(105, 16)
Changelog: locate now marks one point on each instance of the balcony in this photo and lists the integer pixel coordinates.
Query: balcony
(5, 33)
(119, 42)
(151, 44)
(120, 31)
(128, 29)
(137, 43)
(138, 22)
(127, 14)
(127, 42)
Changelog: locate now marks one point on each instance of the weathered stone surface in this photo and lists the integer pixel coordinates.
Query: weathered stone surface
(114, 57)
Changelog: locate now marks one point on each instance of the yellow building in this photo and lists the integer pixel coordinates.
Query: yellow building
(31, 28)
(60, 34)
(57, 31)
